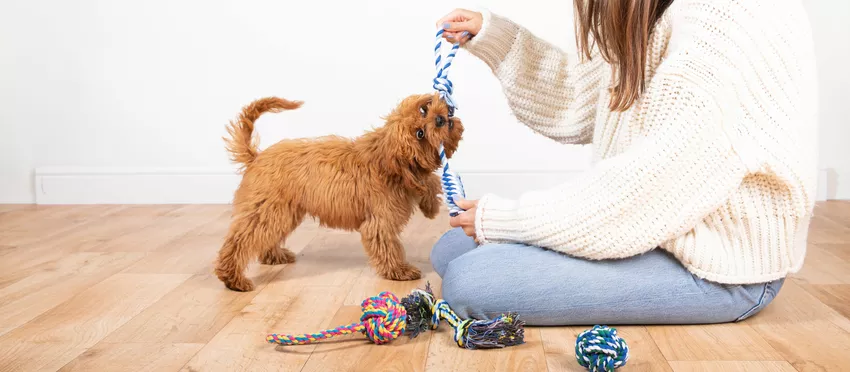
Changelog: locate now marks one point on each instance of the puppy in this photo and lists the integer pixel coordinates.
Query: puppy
(371, 184)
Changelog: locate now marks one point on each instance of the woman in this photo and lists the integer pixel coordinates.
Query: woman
(702, 119)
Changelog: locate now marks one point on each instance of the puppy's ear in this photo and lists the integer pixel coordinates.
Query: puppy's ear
(397, 159)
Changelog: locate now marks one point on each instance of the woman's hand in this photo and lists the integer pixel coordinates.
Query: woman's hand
(465, 220)
(461, 25)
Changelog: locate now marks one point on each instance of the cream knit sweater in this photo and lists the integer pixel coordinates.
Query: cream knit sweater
(715, 163)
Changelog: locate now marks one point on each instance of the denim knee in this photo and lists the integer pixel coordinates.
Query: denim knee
(451, 245)
(769, 292)
(456, 291)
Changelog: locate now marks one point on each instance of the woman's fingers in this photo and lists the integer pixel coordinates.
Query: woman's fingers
(465, 204)
(469, 231)
(459, 21)
(457, 37)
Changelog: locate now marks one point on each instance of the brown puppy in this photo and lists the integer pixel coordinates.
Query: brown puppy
(370, 184)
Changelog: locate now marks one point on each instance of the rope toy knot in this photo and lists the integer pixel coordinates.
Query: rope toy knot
(384, 318)
(424, 311)
(442, 84)
(601, 349)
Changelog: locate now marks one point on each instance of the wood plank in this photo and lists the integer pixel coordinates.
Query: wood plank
(841, 251)
(55, 283)
(43, 224)
(712, 342)
(189, 254)
(58, 336)
(16, 207)
(356, 353)
(730, 366)
(192, 313)
(823, 267)
(151, 357)
(445, 355)
(559, 345)
(804, 331)
(836, 296)
(835, 210)
(242, 346)
(172, 224)
(823, 230)
(195, 253)
(81, 238)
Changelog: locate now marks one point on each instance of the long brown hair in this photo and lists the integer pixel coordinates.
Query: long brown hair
(621, 30)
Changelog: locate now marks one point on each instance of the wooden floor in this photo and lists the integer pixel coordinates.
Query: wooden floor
(125, 288)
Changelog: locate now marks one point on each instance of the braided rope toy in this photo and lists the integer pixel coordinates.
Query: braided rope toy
(450, 181)
(601, 349)
(424, 310)
(385, 318)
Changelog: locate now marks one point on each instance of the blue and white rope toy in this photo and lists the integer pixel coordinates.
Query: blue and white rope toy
(450, 181)
(601, 349)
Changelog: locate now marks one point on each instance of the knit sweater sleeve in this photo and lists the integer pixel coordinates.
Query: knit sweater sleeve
(552, 92)
(684, 168)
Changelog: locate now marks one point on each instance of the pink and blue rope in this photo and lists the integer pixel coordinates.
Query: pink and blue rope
(383, 319)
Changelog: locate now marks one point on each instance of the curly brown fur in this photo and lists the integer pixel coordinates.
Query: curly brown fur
(371, 184)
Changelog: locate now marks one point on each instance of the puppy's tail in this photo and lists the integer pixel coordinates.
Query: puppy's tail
(242, 145)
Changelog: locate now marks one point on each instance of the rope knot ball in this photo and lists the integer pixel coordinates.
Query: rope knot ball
(384, 318)
(601, 349)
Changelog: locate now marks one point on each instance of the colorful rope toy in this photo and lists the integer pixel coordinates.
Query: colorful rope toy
(451, 182)
(600, 349)
(424, 311)
(385, 318)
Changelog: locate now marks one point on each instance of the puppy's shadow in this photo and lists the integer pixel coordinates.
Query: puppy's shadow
(333, 255)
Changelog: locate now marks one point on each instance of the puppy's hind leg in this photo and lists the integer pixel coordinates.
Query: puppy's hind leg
(251, 233)
(386, 254)
(278, 254)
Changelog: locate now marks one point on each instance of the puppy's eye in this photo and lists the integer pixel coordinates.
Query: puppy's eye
(420, 133)
(451, 123)
(424, 111)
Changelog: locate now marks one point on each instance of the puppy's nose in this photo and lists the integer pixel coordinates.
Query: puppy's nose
(441, 120)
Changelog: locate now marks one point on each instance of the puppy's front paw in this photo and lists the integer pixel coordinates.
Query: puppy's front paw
(403, 272)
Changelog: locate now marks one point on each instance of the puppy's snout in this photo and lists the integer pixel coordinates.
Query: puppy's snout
(440, 120)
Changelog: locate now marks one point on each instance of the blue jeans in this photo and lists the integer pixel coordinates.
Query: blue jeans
(550, 288)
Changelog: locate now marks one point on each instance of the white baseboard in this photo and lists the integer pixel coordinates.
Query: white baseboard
(75, 185)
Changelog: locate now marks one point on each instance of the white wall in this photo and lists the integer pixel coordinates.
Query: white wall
(100, 96)
(831, 27)
(98, 89)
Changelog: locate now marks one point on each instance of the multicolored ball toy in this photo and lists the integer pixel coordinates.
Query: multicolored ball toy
(601, 349)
